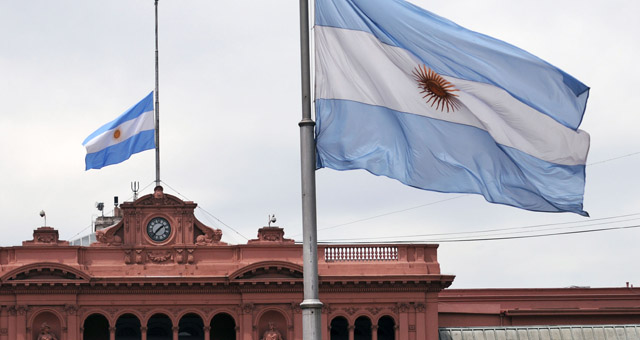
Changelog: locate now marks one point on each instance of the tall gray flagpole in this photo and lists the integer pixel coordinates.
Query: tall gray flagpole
(157, 106)
(311, 306)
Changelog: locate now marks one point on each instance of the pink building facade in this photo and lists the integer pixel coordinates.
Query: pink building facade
(162, 274)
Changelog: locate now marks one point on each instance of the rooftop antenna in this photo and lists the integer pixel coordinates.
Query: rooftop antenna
(272, 219)
(100, 206)
(135, 186)
(42, 214)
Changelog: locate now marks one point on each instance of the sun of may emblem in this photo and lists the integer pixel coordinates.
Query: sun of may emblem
(437, 90)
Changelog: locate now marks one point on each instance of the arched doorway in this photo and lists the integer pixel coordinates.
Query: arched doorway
(386, 328)
(362, 329)
(128, 327)
(223, 327)
(96, 327)
(159, 327)
(191, 327)
(339, 328)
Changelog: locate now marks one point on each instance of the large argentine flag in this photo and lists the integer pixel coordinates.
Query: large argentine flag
(116, 141)
(404, 93)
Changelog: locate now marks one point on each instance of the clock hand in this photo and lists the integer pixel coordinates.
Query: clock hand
(159, 229)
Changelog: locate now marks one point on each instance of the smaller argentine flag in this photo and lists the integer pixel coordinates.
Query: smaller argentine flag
(132, 132)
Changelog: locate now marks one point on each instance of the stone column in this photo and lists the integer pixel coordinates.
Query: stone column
(143, 332)
(207, 332)
(421, 321)
(297, 322)
(374, 332)
(324, 323)
(12, 334)
(112, 333)
(21, 323)
(351, 328)
(175, 330)
(403, 320)
(431, 316)
(72, 322)
(247, 322)
(4, 323)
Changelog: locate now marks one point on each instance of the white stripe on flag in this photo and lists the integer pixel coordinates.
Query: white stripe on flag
(354, 65)
(127, 129)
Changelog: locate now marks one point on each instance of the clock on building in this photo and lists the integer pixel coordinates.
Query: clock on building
(158, 229)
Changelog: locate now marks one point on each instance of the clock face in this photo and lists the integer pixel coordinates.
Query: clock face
(158, 229)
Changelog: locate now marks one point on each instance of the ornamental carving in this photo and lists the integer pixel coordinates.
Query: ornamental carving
(190, 258)
(402, 307)
(207, 310)
(4, 331)
(22, 310)
(374, 310)
(70, 309)
(12, 310)
(271, 235)
(247, 308)
(108, 237)
(127, 257)
(350, 310)
(327, 309)
(420, 307)
(210, 237)
(412, 328)
(179, 255)
(159, 256)
(45, 238)
(139, 258)
(295, 307)
(111, 311)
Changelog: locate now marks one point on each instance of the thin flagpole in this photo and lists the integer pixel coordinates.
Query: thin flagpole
(311, 306)
(157, 106)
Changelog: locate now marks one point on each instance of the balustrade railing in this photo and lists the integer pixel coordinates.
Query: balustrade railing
(360, 253)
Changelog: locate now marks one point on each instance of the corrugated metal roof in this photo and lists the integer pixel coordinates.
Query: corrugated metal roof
(577, 332)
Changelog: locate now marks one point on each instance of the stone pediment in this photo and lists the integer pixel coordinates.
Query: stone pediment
(160, 199)
(45, 272)
(268, 270)
(158, 219)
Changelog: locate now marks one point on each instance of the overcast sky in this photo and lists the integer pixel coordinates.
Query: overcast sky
(229, 108)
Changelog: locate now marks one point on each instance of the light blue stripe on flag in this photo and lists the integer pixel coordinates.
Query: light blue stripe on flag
(441, 156)
(116, 141)
(385, 70)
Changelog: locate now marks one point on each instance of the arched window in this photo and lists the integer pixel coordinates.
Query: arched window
(339, 328)
(128, 327)
(159, 328)
(386, 328)
(362, 329)
(191, 327)
(96, 327)
(223, 327)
